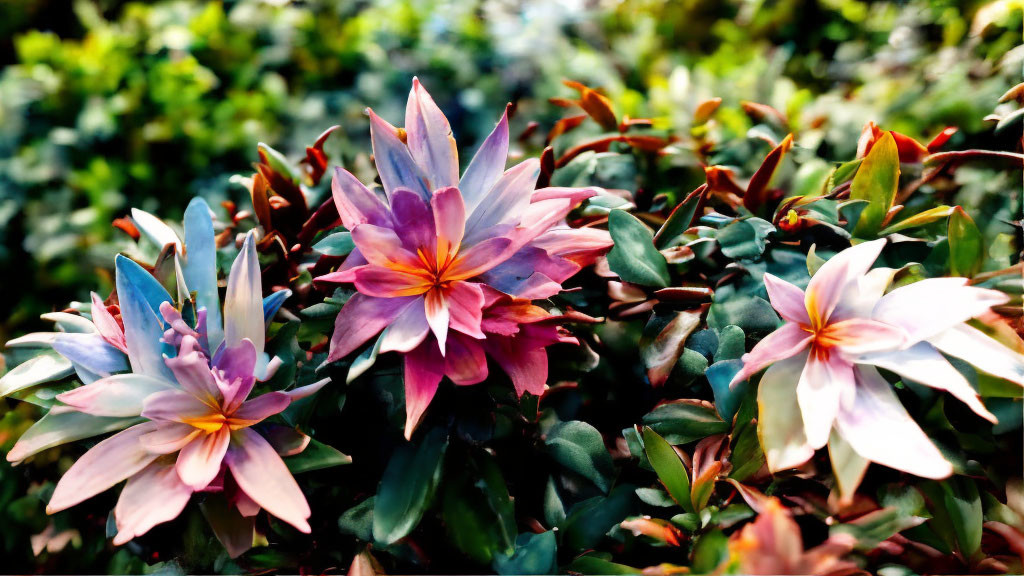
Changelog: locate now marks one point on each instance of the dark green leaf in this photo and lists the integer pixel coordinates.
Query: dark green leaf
(579, 447)
(337, 244)
(406, 488)
(534, 554)
(669, 467)
(634, 257)
(683, 421)
(316, 456)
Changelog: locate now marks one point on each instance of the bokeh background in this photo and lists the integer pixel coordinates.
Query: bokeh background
(107, 105)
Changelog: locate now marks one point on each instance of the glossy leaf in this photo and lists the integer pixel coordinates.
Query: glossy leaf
(669, 467)
(876, 181)
(634, 257)
(579, 447)
(408, 483)
(966, 245)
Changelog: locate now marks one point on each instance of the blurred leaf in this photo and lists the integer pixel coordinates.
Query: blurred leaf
(966, 245)
(588, 521)
(956, 514)
(534, 554)
(407, 486)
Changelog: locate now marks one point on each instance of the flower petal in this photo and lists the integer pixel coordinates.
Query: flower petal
(787, 341)
(117, 395)
(260, 408)
(381, 282)
(424, 368)
(828, 284)
(192, 370)
(103, 466)
(382, 247)
(504, 203)
(200, 268)
(449, 221)
(924, 364)
(826, 382)
(235, 367)
(243, 303)
(395, 165)
(263, 476)
(168, 437)
(139, 296)
(862, 336)
(465, 363)
(986, 354)
(780, 425)
(407, 331)
(787, 299)
(178, 406)
(430, 139)
(928, 307)
(153, 496)
(465, 307)
(106, 325)
(91, 352)
(479, 258)
(486, 167)
(356, 203)
(155, 230)
(61, 426)
(435, 306)
(879, 429)
(524, 360)
(362, 318)
(199, 461)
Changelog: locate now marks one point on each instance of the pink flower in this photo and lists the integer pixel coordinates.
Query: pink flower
(823, 361)
(438, 260)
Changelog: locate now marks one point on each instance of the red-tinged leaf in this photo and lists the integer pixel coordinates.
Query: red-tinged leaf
(940, 140)
(597, 105)
(261, 202)
(547, 167)
(876, 181)
(325, 218)
(564, 126)
(685, 294)
(764, 113)
(661, 352)
(661, 530)
(911, 151)
(316, 160)
(709, 460)
(964, 155)
(681, 218)
(531, 127)
(564, 102)
(758, 198)
(646, 143)
(720, 179)
(127, 226)
(705, 110)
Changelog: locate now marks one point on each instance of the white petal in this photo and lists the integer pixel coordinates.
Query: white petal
(823, 384)
(986, 354)
(779, 424)
(243, 303)
(153, 496)
(931, 306)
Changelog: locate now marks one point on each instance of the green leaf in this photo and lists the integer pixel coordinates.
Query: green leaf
(848, 466)
(727, 398)
(477, 511)
(634, 257)
(745, 239)
(534, 554)
(966, 246)
(669, 467)
(956, 513)
(683, 421)
(679, 220)
(592, 563)
(877, 526)
(590, 520)
(408, 483)
(844, 172)
(919, 219)
(710, 551)
(876, 181)
(579, 447)
(358, 520)
(337, 244)
(316, 456)
(278, 162)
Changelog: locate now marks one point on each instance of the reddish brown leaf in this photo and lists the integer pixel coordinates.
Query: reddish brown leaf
(758, 198)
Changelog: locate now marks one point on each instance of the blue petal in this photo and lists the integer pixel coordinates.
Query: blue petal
(200, 266)
(272, 303)
(91, 354)
(140, 296)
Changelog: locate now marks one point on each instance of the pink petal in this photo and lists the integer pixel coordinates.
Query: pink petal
(260, 408)
(862, 294)
(523, 358)
(235, 366)
(192, 369)
(177, 406)
(879, 429)
(388, 283)
(479, 258)
(263, 476)
(382, 247)
(199, 461)
(424, 368)
(532, 271)
(861, 336)
(787, 299)
(465, 307)
(780, 425)
(539, 217)
(787, 341)
(430, 139)
(922, 363)
(574, 195)
(504, 203)
(153, 496)
(307, 390)
(168, 437)
(103, 466)
(824, 384)
(465, 363)
(986, 354)
(580, 245)
(449, 221)
(357, 204)
(414, 222)
(106, 325)
(828, 284)
(931, 306)
(486, 166)
(407, 331)
(435, 306)
(362, 318)
(394, 163)
(243, 303)
(117, 395)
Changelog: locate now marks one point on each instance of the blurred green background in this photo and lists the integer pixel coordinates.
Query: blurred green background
(107, 105)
